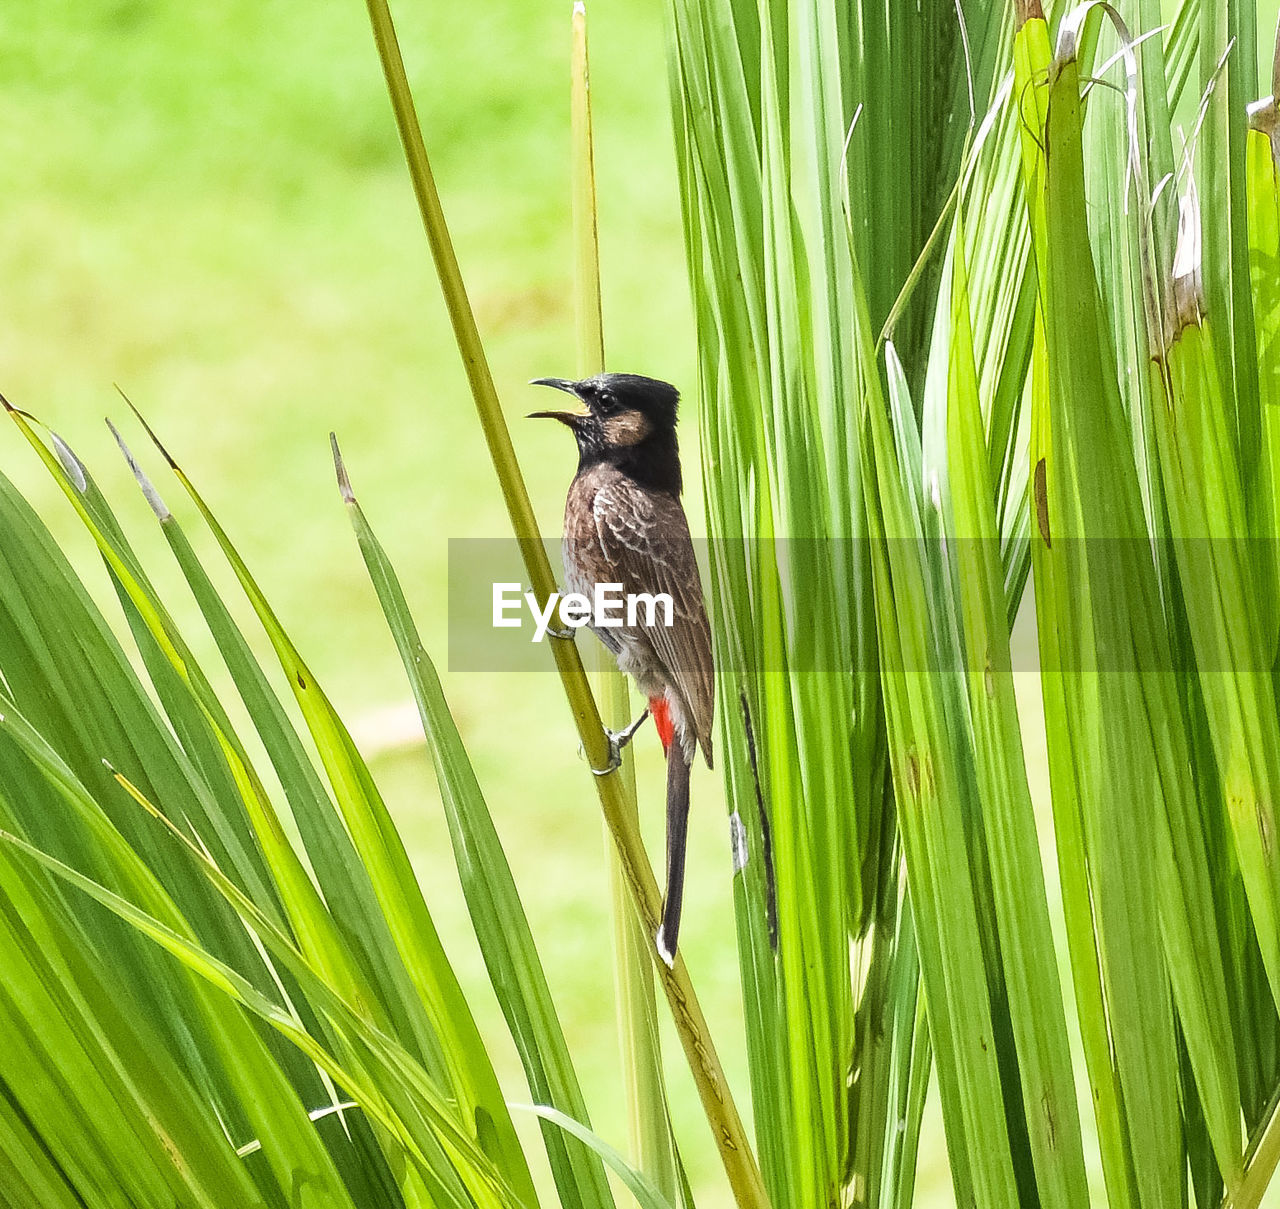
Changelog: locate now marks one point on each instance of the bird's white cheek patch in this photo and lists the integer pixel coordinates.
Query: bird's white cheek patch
(630, 428)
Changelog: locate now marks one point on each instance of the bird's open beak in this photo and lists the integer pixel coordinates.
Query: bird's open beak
(571, 418)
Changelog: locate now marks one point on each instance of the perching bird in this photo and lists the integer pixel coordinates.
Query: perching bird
(624, 524)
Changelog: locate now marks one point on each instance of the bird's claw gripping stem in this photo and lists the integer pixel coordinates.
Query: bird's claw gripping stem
(618, 739)
(615, 758)
(624, 736)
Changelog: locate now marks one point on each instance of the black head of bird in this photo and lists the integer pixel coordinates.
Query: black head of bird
(629, 422)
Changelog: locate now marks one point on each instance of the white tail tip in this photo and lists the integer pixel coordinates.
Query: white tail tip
(668, 957)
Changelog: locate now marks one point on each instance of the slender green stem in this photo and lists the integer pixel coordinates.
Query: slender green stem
(713, 1089)
(653, 1146)
(586, 242)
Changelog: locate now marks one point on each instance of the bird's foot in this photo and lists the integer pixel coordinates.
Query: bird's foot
(624, 736)
(618, 739)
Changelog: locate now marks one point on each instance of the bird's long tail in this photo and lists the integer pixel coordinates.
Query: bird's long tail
(677, 832)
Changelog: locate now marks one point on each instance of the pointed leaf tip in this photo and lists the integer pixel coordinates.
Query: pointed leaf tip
(344, 482)
(155, 440)
(158, 505)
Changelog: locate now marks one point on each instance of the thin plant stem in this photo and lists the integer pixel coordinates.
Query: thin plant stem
(649, 1122)
(691, 1026)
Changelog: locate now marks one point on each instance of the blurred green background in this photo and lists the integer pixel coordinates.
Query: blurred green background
(206, 205)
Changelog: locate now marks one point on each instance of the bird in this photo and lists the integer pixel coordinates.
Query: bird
(624, 524)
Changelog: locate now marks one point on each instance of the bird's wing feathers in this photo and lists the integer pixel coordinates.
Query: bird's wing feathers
(644, 536)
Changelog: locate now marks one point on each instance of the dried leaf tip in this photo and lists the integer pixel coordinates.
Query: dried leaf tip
(1027, 10)
(155, 440)
(1187, 289)
(1264, 117)
(1041, 491)
(579, 8)
(158, 505)
(1067, 48)
(70, 463)
(1275, 62)
(340, 467)
(18, 411)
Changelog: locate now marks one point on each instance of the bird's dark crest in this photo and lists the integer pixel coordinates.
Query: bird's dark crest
(606, 394)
